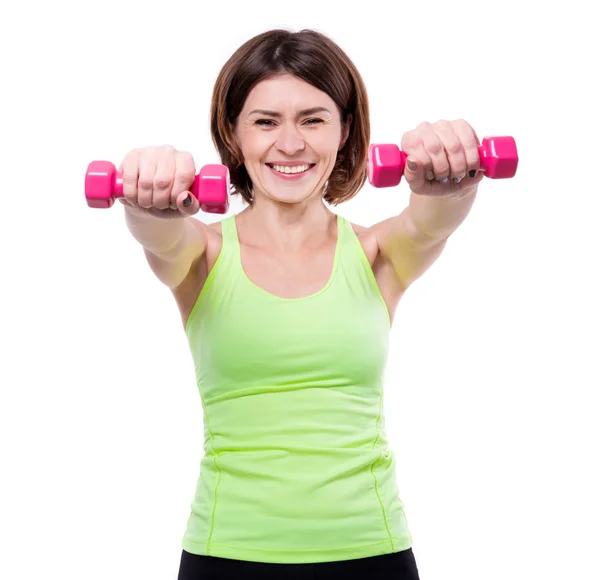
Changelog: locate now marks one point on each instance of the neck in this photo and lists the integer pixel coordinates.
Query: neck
(287, 227)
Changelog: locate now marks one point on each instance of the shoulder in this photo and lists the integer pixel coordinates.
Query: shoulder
(217, 227)
(368, 240)
(211, 229)
(382, 268)
(214, 240)
(187, 292)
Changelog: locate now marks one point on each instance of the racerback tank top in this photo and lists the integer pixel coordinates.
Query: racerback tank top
(296, 465)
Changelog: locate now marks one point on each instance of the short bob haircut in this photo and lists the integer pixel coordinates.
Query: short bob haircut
(316, 59)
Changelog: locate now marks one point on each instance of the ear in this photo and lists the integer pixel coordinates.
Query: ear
(345, 132)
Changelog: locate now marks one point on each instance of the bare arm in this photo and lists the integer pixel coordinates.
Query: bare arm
(171, 246)
(156, 182)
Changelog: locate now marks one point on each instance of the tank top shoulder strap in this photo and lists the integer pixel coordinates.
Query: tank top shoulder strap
(231, 242)
(228, 260)
(351, 242)
(356, 264)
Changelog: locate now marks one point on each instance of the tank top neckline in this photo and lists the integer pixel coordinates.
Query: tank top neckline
(336, 259)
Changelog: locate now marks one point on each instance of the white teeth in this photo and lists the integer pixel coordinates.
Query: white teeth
(288, 169)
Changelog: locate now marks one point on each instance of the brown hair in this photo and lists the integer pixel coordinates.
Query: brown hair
(314, 58)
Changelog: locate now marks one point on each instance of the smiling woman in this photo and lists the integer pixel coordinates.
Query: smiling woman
(287, 312)
(334, 109)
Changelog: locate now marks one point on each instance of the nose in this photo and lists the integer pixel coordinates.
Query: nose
(289, 139)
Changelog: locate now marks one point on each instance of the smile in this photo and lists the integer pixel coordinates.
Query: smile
(290, 173)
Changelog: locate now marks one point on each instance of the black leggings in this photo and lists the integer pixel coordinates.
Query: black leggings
(396, 566)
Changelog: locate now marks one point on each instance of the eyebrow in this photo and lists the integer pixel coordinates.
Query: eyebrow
(277, 115)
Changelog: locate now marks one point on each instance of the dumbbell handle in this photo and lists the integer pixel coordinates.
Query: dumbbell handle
(497, 157)
(116, 186)
(104, 184)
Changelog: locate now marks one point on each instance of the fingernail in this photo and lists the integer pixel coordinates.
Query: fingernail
(472, 173)
(187, 201)
(430, 176)
(412, 165)
(457, 179)
(444, 180)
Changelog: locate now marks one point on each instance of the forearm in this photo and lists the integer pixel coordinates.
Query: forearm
(158, 236)
(439, 217)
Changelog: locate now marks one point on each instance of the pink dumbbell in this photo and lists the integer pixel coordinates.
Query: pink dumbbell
(103, 184)
(497, 158)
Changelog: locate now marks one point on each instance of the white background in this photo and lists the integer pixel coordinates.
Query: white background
(493, 381)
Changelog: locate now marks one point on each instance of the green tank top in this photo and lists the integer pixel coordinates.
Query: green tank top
(296, 466)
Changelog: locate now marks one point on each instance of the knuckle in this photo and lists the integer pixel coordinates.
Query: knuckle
(463, 123)
(129, 166)
(148, 152)
(185, 175)
(186, 160)
(435, 148)
(410, 140)
(162, 182)
(129, 174)
(146, 182)
(455, 146)
(185, 171)
(132, 154)
(471, 144)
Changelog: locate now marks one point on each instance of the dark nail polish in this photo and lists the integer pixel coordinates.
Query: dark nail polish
(187, 201)
(472, 173)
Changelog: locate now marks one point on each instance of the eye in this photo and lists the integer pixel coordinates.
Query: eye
(264, 122)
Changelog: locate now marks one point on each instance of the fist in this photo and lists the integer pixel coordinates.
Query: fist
(157, 181)
(443, 158)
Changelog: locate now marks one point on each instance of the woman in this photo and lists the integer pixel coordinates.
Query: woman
(287, 308)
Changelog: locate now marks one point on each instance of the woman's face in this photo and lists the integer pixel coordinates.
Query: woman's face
(288, 122)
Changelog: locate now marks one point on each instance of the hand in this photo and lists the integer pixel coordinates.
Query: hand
(156, 181)
(439, 154)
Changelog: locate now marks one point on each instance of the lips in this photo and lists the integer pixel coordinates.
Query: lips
(290, 176)
(293, 165)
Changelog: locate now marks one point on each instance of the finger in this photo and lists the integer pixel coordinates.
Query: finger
(129, 171)
(415, 172)
(185, 174)
(163, 181)
(470, 143)
(417, 160)
(148, 163)
(192, 208)
(454, 151)
(433, 140)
